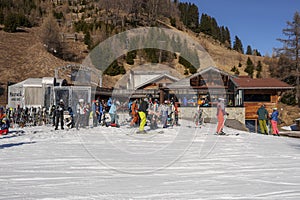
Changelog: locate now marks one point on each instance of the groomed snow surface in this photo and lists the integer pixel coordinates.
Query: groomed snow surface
(115, 163)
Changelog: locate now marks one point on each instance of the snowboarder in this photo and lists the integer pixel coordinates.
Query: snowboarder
(60, 115)
(262, 119)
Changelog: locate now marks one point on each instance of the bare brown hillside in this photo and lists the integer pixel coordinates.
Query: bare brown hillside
(22, 56)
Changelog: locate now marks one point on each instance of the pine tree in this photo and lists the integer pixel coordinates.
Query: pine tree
(249, 50)
(291, 49)
(189, 15)
(205, 24)
(237, 45)
(225, 36)
(258, 69)
(249, 67)
(88, 40)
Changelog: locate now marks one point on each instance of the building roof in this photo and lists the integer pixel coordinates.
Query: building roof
(155, 79)
(30, 82)
(210, 70)
(185, 83)
(259, 83)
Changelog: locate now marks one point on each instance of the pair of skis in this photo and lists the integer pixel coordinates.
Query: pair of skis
(226, 134)
(223, 133)
(151, 131)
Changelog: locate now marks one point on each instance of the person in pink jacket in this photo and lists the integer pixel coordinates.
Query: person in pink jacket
(220, 116)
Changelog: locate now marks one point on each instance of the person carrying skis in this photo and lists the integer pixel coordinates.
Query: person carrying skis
(274, 120)
(262, 119)
(220, 116)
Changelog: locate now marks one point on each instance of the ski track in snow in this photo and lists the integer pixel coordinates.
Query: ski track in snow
(114, 163)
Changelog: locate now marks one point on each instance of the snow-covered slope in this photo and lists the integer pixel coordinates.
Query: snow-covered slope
(115, 163)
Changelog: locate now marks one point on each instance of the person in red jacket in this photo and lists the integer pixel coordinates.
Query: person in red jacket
(4, 122)
(134, 113)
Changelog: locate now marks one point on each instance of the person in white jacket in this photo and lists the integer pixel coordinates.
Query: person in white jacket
(80, 112)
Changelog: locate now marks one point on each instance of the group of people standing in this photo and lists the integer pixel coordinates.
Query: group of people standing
(148, 108)
(82, 115)
(264, 117)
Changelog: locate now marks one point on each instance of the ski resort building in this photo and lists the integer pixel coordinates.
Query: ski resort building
(45, 92)
(243, 95)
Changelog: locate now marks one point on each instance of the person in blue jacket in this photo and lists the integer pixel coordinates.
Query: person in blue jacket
(113, 112)
(274, 121)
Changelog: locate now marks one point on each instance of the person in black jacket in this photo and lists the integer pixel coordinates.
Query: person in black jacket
(143, 108)
(60, 114)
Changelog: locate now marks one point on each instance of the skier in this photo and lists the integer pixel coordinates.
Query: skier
(70, 119)
(60, 114)
(143, 115)
(104, 111)
(262, 119)
(274, 120)
(198, 116)
(109, 103)
(2, 113)
(4, 122)
(134, 113)
(220, 116)
(113, 112)
(80, 111)
(52, 114)
(95, 112)
(164, 109)
(87, 115)
(175, 111)
(153, 114)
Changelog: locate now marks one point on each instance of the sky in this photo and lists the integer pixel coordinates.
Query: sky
(258, 23)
